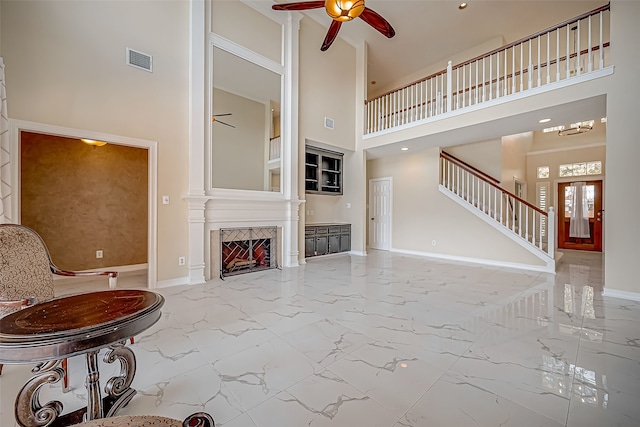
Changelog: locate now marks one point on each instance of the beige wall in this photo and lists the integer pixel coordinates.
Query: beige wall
(65, 66)
(455, 59)
(485, 156)
(81, 199)
(623, 151)
(238, 159)
(420, 214)
(514, 159)
(249, 28)
(327, 89)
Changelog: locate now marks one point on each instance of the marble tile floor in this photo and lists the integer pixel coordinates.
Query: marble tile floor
(385, 340)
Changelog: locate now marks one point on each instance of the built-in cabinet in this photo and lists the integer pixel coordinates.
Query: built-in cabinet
(322, 239)
(323, 171)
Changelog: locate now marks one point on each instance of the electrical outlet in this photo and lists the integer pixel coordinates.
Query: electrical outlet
(433, 243)
(165, 200)
(99, 253)
(181, 260)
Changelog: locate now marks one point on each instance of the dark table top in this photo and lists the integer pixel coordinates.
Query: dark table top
(75, 324)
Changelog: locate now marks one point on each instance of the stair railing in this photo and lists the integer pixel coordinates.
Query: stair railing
(549, 56)
(483, 192)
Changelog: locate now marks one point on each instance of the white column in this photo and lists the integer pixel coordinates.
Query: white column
(290, 140)
(195, 194)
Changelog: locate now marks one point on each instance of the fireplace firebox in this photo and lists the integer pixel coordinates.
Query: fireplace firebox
(245, 250)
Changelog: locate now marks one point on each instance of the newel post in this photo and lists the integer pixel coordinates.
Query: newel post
(449, 88)
(551, 232)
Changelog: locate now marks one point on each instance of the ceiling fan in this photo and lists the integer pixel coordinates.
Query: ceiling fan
(214, 120)
(342, 11)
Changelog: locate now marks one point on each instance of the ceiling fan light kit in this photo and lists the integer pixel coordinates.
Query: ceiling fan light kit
(342, 11)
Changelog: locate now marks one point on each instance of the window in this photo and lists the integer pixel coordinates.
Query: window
(543, 172)
(581, 169)
(542, 194)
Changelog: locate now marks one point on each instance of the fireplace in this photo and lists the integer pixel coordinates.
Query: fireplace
(245, 250)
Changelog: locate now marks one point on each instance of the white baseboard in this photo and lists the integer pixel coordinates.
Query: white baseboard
(490, 262)
(358, 253)
(613, 293)
(172, 282)
(325, 256)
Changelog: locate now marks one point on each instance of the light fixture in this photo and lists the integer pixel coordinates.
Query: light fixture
(344, 10)
(93, 142)
(544, 120)
(405, 149)
(576, 128)
(463, 6)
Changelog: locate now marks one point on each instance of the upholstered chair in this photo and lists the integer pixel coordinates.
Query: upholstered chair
(26, 273)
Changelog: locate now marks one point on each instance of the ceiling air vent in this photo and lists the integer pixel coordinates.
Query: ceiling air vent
(140, 60)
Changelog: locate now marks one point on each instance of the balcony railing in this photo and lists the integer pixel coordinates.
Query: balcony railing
(565, 51)
(274, 148)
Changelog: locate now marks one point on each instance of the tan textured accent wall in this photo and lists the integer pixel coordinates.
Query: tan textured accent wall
(81, 199)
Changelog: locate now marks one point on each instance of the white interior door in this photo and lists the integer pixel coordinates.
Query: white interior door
(380, 192)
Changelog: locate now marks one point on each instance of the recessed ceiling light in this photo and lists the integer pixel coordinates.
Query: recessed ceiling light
(405, 148)
(462, 6)
(544, 120)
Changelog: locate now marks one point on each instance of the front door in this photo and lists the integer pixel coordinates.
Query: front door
(380, 213)
(585, 200)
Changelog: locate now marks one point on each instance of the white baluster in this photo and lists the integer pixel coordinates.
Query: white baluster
(548, 58)
(568, 72)
(513, 69)
(590, 66)
(601, 50)
(530, 72)
(558, 55)
(539, 70)
(521, 67)
(551, 232)
(449, 91)
(579, 71)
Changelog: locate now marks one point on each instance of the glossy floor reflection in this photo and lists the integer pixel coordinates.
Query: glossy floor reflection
(386, 340)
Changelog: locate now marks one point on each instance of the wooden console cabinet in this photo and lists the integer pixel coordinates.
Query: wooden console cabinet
(322, 239)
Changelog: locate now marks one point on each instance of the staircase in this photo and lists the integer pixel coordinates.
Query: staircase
(529, 226)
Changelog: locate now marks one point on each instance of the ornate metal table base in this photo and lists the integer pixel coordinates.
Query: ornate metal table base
(30, 412)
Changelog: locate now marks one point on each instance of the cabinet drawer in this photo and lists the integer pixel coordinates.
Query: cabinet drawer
(334, 230)
(322, 230)
(309, 231)
(345, 229)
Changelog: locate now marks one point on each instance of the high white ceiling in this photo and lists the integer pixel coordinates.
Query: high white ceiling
(432, 31)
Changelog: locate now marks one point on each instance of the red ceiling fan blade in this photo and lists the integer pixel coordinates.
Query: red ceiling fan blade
(299, 5)
(378, 22)
(331, 35)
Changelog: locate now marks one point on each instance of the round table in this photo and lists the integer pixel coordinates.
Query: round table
(78, 324)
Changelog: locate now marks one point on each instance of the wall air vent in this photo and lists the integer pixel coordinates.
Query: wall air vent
(329, 123)
(140, 60)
